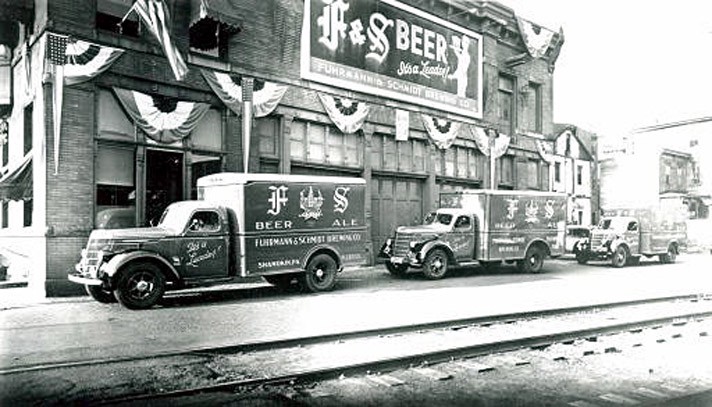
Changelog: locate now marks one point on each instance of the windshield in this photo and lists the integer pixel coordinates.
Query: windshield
(435, 217)
(613, 223)
(174, 218)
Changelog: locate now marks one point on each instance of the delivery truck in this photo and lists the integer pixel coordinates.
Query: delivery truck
(481, 227)
(288, 229)
(624, 235)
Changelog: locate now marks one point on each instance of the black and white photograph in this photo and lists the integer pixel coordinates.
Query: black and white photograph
(314, 203)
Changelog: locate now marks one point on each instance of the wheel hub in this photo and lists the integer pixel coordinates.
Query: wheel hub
(319, 273)
(143, 286)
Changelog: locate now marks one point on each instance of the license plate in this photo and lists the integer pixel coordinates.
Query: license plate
(397, 260)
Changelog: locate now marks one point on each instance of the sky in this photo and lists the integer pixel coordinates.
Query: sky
(627, 64)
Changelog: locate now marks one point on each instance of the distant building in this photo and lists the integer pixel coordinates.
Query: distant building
(575, 172)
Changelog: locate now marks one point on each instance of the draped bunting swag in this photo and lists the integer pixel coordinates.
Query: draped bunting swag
(501, 143)
(164, 120)
(545, 155)
(73, 61)
(264, 100)
(536, 38)
(154, 13)
(442, 132)
(348, 115)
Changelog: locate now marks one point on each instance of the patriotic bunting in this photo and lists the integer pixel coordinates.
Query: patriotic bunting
(73, 61)
(501, 142)
(442, 132)
(265, 96)
(154, 13)
(164, 119)
(536, 38)
(348, 115)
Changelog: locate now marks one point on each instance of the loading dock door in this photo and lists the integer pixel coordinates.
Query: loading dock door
(394, 202)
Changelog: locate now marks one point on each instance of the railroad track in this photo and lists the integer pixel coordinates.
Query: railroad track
(202, 370)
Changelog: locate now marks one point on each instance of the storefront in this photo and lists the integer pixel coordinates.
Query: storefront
(113, 121)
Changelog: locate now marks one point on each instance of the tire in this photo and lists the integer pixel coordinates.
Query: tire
(533, 261)
(435, 265)
(283, 282)
(140, 286)
(100, 294)
(620, 257)
(669, 257)
(320, 274)
(397, 270)
(582, 257)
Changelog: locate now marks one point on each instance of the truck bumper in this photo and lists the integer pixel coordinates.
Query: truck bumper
(405, 261)
(84, 280)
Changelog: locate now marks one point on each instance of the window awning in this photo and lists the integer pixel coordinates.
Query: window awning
(16, 184)
(220, 10)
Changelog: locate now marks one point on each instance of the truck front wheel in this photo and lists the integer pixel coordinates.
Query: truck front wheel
(397, 270)
(320, 274)
(620, 257)
(140, 286)
(582, 257)
(435, 266)
(100, 294)
(533, 261)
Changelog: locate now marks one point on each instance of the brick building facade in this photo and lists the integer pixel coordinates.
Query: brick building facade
(57, 183)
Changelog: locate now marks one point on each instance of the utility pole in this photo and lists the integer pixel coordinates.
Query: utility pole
(492, 135)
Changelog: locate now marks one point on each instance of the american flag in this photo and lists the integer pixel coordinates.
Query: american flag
(57, 49)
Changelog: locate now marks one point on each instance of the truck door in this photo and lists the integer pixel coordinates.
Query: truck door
(204, 247)
(463, 239)
(632, 236)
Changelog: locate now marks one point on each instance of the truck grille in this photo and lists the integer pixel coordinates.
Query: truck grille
(401, 246)
(93, 247)
(596, 240)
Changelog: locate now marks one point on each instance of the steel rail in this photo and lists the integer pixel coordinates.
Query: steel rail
(316, 339)
(423, 358)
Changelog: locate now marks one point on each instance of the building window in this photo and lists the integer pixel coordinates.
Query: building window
(506, 171)
(579, 174)
(321, 144)
(114, 178)
(534, 99)
(27, 212)
(557, 172)
(528, 174)
(27, 146)
(403, 156)
(207, 135)
(506, 104)
(5, 213)
(209, 37)
(109, 14)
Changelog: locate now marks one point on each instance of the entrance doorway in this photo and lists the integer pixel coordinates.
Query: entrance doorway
(164, 182)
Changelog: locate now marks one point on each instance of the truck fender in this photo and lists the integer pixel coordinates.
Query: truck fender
(615, 243)
(538, 242)
(434, 244)
(118, 261)
(323, 248)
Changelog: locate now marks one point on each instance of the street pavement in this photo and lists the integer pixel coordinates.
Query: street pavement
(60, 330)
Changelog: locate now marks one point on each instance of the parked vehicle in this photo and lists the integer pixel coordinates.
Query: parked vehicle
(481, 227)
(280, 227)
(574, 233)
(624, 235)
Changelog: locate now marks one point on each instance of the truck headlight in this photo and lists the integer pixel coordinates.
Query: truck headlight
(99, 256)
(413, 246)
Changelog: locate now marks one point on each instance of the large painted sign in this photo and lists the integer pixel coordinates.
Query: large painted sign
(389, 49)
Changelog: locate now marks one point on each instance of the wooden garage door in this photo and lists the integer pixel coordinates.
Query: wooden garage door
(394, 202)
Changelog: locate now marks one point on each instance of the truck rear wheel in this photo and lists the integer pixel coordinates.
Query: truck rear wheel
(533, 261)
(397, 270)
(435, 265)
(620, 256)
(669, 257)
(100, 294)
(320, 274)
(140, 286)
